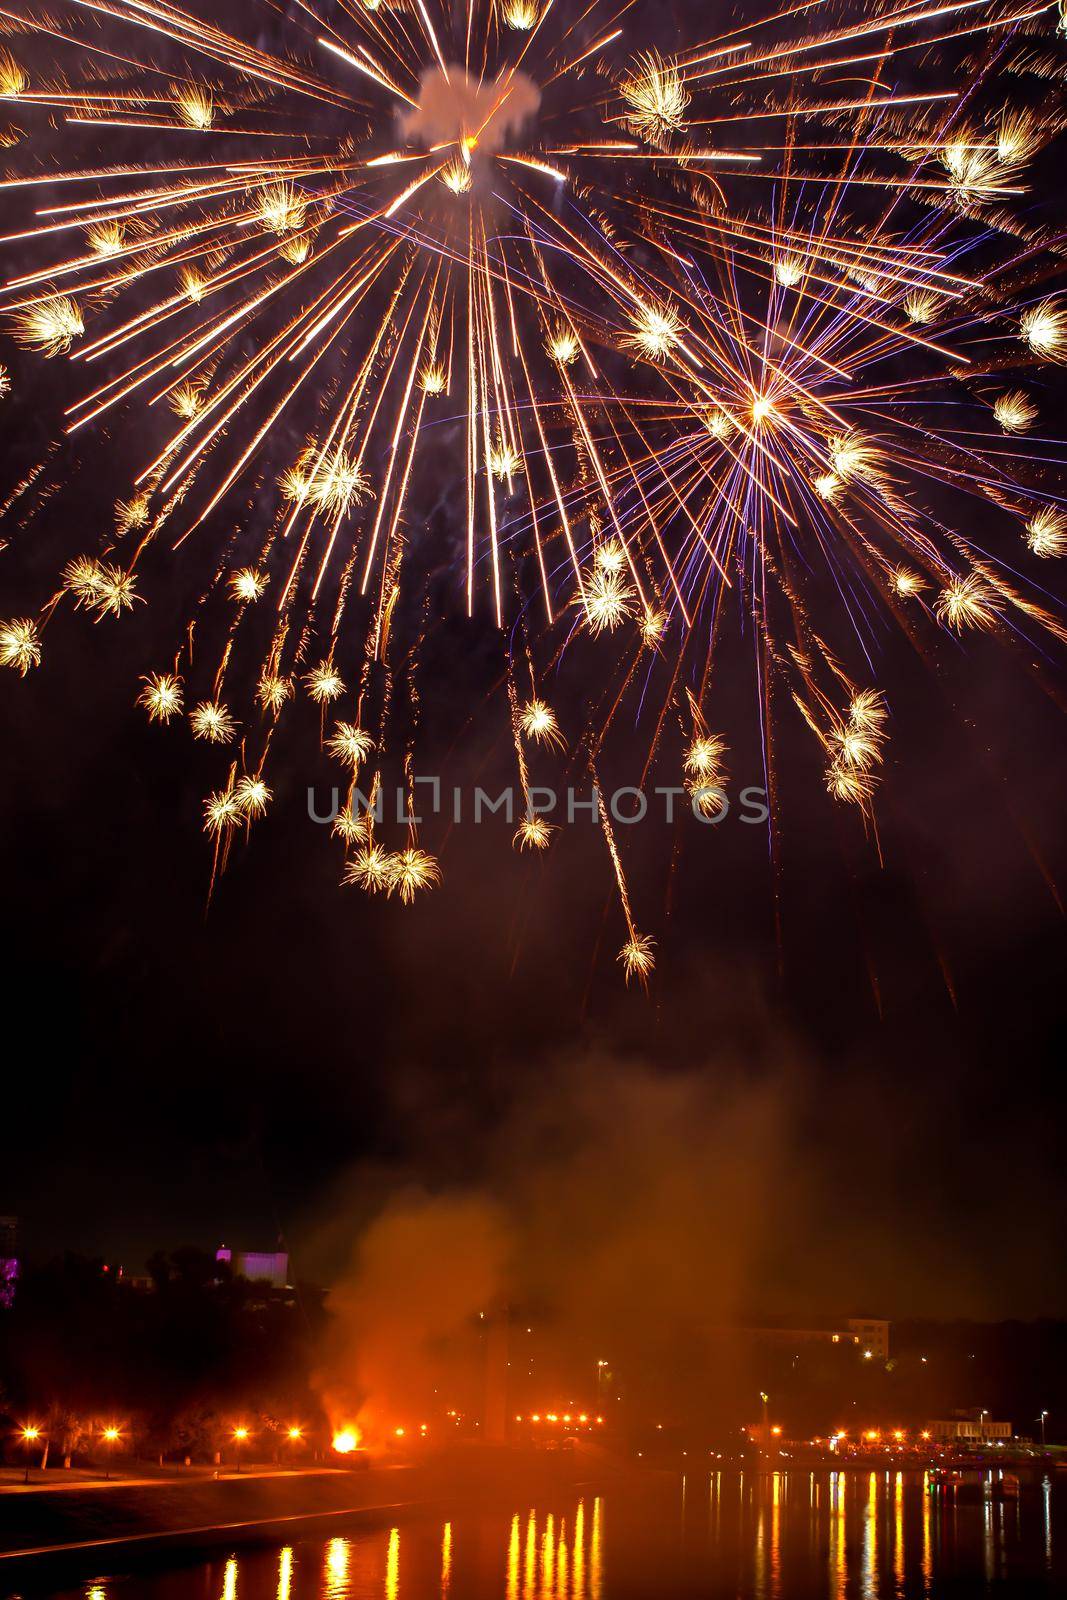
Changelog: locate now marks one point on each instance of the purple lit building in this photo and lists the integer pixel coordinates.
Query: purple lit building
(9, 1261)
(258, 1265)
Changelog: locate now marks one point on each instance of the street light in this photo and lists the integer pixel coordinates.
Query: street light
(1041, 1419)
(240, 1437)
(111, 1436)
(30, 1436)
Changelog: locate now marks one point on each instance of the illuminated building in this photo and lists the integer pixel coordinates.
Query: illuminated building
(9, 1261)
(259, 1266)
(863, 1333)
(969, 1427)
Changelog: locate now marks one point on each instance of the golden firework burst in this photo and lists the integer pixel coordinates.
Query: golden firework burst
(337, 482)
(211, 720)
(868, 710)
(272, 691)
(195, 107)
(412, 870)
(921, 306)
(106, 238)
(247, 583)
(859, 749)
(655, 333)
(653, 625)
(350, 744)
(253, 796)
(20, 646)
(521, 15)
(280, 208)
(187, 400)
(906, 583)
(352, 826)
(82, 578)
(655, 96)
(788, 270)
(1015, 411)
(505, 461)
(13, 80)
(116, 591)
(1044, 329)
(533, 833)
(562, 345)
(537, 721)
(1046, 532)
(637, 957)
(608, 601)
(456, 176)
(324, 683)
(162, 696)
(193, 283)
(222, 811)
(133, 513)
(850, 784)
(965, 602)
(295, 249)
(371, 869)
(49, 327)
(704, 757)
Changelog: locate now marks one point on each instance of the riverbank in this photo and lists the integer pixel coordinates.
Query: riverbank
(75, 1519)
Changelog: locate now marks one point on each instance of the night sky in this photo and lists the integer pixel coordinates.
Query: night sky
(176, 1073)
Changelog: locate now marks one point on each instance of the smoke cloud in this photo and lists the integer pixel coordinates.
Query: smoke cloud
(458, 107)
(623, 1210)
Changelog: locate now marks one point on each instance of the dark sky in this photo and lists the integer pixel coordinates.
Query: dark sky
(174, 1074)
(180, 1074)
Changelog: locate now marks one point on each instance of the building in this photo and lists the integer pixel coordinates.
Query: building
(260, 1266)
(9, 1259)
(969, 1427)
(869, 1335)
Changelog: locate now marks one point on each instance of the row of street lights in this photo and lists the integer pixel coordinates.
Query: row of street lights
(32, 1434)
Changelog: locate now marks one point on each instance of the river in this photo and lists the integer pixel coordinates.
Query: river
(797, 1535)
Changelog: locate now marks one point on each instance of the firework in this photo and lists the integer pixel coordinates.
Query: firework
(247, 584)
(533, 833)
(1044, 328)
(966, 603)
(212, 721)
(538, 721)
(161, 696)
(411, 871)
(724, 333)
(1046, 532)
(50, 326)
(350, 744)
(655, 96)
(19, 645)
(371, 868)
(1015, 411)
(324, 683)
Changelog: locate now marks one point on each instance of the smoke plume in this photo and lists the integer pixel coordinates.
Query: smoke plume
(456, 107)
(623, 1210)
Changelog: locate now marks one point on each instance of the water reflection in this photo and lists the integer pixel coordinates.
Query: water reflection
(779, 1535)
(392, 1566)
(446, 1557)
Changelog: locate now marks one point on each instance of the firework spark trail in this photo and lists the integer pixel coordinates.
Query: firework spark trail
(708, 334)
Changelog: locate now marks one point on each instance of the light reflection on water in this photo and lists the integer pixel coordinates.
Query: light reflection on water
(786, 1535)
